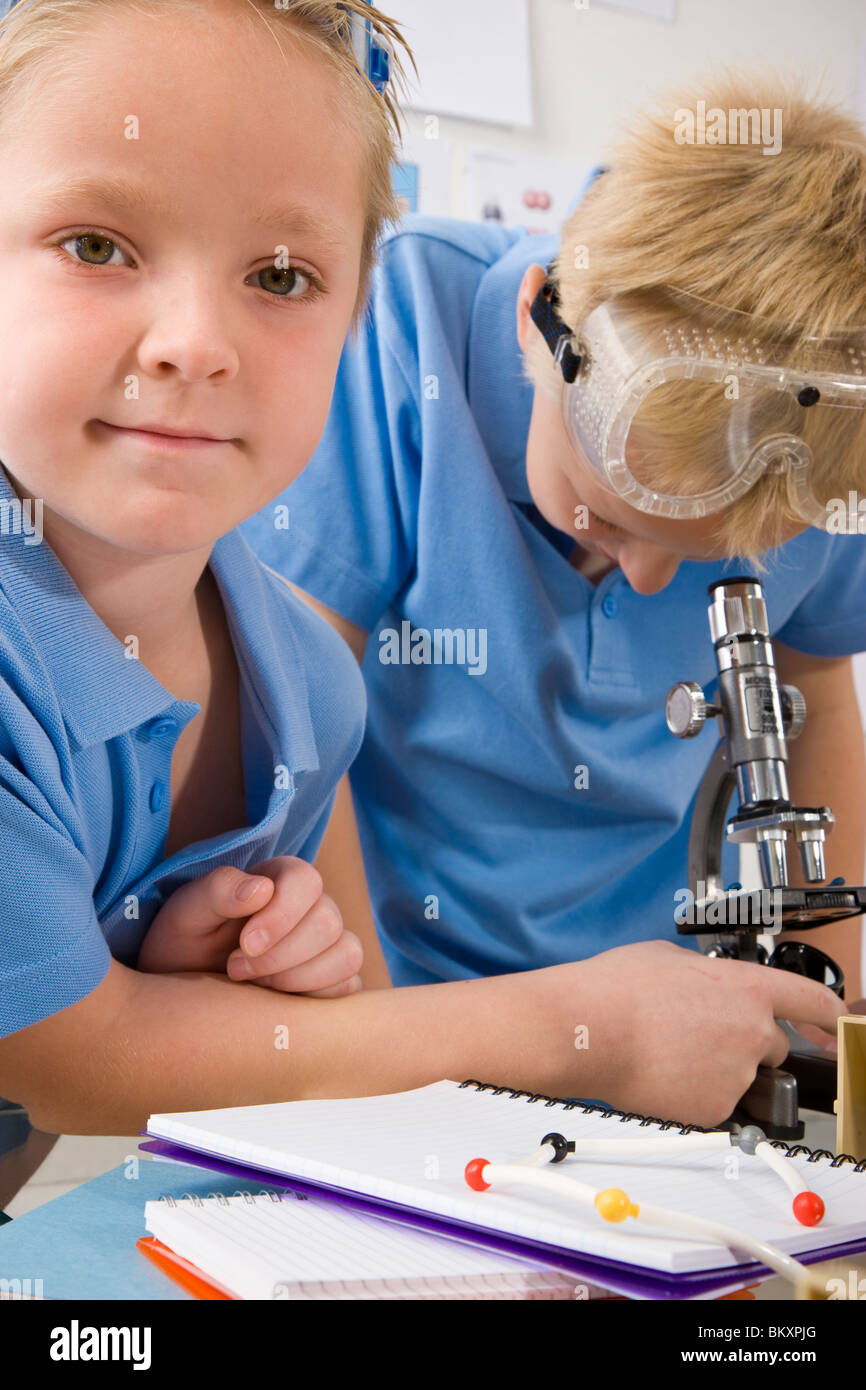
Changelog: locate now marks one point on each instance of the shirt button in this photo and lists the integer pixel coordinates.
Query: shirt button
(157, 796)
(609, 606)
(158, 728)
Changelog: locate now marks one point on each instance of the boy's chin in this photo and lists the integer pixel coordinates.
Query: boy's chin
(152, 535)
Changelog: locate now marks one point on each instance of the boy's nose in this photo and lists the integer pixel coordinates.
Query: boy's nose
(190, 334)
(648, 568)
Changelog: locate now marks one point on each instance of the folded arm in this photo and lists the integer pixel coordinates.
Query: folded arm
(143, 1044)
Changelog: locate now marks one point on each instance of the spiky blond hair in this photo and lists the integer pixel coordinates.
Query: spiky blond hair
(778, 235)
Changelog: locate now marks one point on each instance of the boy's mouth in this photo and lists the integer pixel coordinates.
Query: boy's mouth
(167, 437)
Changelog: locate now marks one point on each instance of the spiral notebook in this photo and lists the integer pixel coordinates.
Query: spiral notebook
(403, 1156)
(273, 1245)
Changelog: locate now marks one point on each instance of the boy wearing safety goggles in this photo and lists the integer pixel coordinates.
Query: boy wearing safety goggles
(524, 572)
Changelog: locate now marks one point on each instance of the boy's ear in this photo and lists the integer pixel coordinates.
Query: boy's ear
(531, 283)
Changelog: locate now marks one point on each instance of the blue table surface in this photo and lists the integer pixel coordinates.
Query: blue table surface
(82, 1245)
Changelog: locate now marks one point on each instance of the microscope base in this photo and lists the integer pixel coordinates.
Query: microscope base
(772, 1100)
(771, 1103)
(816, 1076)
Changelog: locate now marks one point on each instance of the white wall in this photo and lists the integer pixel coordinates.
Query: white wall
(592, 67)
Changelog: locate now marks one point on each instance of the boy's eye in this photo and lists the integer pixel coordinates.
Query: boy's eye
(605, 525)
(279, 281)
(102, 254)
(283, 279)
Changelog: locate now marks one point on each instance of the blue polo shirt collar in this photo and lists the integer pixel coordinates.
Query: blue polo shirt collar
(257, 621)
(103, 693)
(502, 409)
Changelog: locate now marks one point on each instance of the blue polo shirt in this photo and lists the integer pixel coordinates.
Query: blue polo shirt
(86, 742)
(522, 803)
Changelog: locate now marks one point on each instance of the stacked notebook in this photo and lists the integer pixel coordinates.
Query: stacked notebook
(288, 1245)
(400, 1159)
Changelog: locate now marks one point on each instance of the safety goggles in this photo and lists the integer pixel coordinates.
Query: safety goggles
(761, 399)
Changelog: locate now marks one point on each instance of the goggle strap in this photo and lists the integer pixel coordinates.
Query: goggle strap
(553, 330)
(569, 360)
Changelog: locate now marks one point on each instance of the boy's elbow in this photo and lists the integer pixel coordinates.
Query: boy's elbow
(67, 1070)
(87, 1110)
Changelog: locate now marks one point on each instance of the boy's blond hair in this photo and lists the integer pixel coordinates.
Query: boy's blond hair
(37, 33)
(779, 235)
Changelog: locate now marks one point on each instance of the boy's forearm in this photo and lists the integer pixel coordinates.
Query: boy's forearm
(201, 1041)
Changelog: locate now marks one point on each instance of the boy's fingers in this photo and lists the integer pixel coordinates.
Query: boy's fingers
(204, 903)
(799, 1000)
(337, 991)
(778, 1048)
(297, 888)
(271, 943)
(817, 1036)
(332, 968)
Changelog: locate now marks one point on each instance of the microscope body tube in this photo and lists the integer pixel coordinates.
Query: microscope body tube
(749, 691)
(752, 712)
(749, 696)
(754, 725)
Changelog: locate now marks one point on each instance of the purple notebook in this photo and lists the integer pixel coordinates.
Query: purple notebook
(374, 1121)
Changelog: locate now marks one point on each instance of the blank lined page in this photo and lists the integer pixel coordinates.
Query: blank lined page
(412, 1147)
(307, 1248)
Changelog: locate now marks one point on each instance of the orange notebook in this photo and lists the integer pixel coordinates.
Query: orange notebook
(191, 1278)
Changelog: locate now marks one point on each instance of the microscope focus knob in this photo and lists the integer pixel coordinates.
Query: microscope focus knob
(686, 709)
(793, 710)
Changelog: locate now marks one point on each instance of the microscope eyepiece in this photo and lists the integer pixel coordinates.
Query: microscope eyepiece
(734, 579)
(738, 610)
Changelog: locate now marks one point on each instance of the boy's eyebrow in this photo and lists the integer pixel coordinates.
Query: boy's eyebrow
(132, 197)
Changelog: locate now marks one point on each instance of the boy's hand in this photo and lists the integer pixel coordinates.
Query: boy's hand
(290, 933)
(680, 1034)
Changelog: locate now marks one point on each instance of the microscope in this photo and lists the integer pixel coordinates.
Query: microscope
(757, 717)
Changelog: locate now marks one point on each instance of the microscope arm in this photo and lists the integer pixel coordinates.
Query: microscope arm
(706, 841)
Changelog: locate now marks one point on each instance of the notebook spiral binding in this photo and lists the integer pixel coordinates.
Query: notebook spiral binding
(531, 1097)
(196, 1197)
(791, 1150)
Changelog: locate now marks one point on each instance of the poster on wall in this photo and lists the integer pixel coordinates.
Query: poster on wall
(532, 191)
